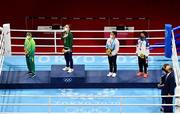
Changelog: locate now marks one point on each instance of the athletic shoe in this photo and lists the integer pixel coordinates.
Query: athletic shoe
(140, 74)
(66, 68)
(29, 73)
(70, 70)
(114, 75)
(145, 75)
(109, 74)
(33, 75)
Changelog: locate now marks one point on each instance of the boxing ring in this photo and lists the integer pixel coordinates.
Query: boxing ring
(13, 75)
(85, 74)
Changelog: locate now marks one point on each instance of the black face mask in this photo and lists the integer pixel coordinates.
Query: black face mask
(142, 38)
(165, 70)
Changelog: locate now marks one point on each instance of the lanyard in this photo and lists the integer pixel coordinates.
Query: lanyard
(141, 42)
(112, 42)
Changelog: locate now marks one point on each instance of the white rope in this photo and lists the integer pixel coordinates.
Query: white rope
(52, 38)
(97, 31)
(74, 113)
(89, 96)
(88, 46)
(135, 38)
(38, 38)
(23, 104)
(58, 53)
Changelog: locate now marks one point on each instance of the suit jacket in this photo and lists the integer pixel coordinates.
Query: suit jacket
(169, 84)
(162, 81)
(163, 77)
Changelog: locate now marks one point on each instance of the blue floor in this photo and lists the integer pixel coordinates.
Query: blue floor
(83, 92)
(16, 63)
(43, 63)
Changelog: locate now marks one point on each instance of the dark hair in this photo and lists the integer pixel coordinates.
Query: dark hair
(165, 65)
(145, 33)
(114, 32)
(68, 25)
(28, 34)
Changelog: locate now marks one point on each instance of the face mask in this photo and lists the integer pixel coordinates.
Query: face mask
(166, 71)
(111, 36)
(28, 37)
(142, 38)
(65, 29)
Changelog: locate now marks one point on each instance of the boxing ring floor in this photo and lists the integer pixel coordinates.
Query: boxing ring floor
(43, 63)
(83, 92)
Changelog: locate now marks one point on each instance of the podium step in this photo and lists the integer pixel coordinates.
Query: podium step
(57, 78)
(57, 75)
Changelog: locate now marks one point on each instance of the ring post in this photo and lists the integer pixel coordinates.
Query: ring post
(168, 40)
(7, 39)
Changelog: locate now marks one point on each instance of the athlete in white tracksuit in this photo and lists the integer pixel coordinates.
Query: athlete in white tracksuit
(142, 52)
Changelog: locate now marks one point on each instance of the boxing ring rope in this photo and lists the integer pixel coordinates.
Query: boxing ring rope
(21, 30)
(92, 46)
(55, 38)
(50, 104)
(46, 38)
(89, 96)
(2, 50)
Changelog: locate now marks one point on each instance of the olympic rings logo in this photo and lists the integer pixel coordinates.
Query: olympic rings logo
(67, 80)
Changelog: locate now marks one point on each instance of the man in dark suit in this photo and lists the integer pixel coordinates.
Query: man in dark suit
(160, 86)
(169, 87)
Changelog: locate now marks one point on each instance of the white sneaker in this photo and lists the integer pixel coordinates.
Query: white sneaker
(66, 68)
(70, 70)
(109, 74)
(114, 75)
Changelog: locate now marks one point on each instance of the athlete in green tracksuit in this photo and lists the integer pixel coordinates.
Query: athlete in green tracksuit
(29, 48)
(67, 37)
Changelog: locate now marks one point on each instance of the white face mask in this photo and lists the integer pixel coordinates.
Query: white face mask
(28, 37)
(65, 29)
(111, 36)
